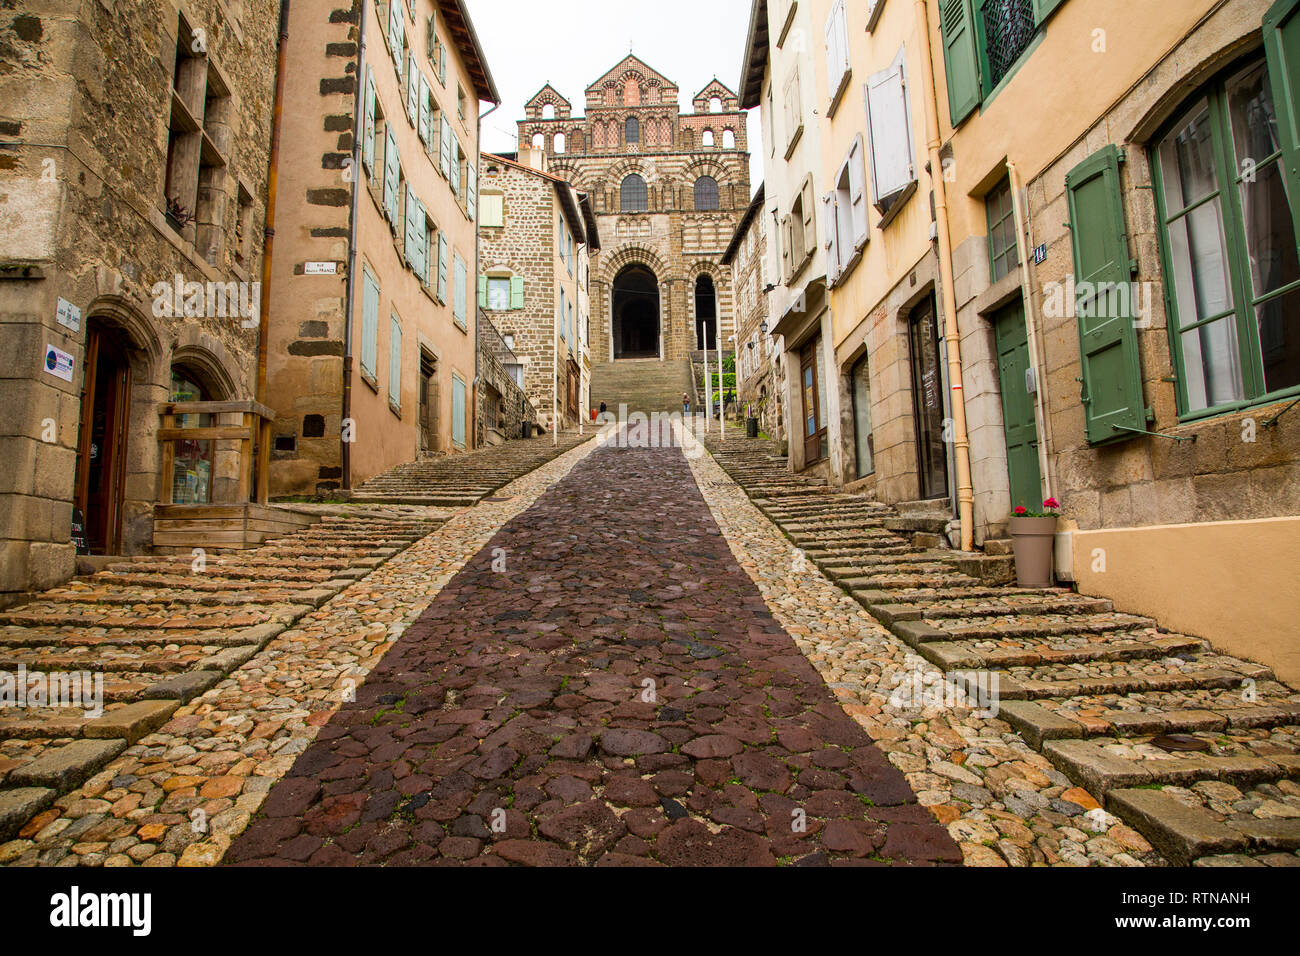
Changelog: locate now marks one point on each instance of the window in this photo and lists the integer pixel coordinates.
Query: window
(633, 194)
(728, 139)
(564, 336)
(539, 141)
(1226, 205)
(837, 52)
(498, 293)
(459, 306)
(706, 194)
(369, 323)
(707, 138)
(560, 142)
(863, 440)
(1003, 253)
(548, 111)
(491, 209)
(1005, 29)
(890, 128)
(395, 361)
(793, 113)
(846, 225)
(632, 130)
(460, 101)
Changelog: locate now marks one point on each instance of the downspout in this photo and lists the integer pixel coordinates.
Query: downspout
(268, 239)
(952, 333)
(478, 187)
(345, 446)
(1031, 329)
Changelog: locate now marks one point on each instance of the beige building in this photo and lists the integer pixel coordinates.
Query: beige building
(537, 234)
(779, 75)
(760, 377)
(372, 348)
(137, 143)
(1134, 256)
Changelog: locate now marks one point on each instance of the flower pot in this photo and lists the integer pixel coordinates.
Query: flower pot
(1032, 540)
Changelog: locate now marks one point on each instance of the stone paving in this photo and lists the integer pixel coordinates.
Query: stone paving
(180, 793)
(1096, 707)
(616, 693)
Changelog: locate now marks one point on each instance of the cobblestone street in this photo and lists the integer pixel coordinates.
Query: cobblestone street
(615, 692)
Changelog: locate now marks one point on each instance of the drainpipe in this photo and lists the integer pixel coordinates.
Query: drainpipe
(478, 187)
(345, 447)
(1031, 328)
(952, 334)
(268, 243)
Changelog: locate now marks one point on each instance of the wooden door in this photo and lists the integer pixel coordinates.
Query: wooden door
(814, 429)
(927, 402)
(101, 442)
(1018, 407)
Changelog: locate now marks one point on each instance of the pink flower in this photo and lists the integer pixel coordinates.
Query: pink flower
(1020, 509)
(1051, 503)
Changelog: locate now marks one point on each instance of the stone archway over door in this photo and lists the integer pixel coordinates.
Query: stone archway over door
(634, 302)
(706, 313)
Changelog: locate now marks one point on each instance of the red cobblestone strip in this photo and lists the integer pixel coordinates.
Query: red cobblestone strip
(615, 692)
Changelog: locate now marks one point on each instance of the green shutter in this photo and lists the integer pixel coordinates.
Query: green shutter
(392, 174)
(442, 267)
(413, 92)
(482, 292)
(516, 292)
(1044, 9)
(457, 411)
(1108, 348)
(397, 36)
(395, 361)
(444, 148)
(411, 245)
(368, 134)
(369, 323)
(1282, 45)
(960, 58)
(442, 63)
(426, 111)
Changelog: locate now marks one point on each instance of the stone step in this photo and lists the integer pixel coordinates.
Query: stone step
(1065, 602)
(1052, 719)
(75, 636)
(950, 655)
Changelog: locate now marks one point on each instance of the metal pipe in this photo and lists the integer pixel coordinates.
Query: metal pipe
(952, 332)
(349, 295)
(268, 248)
(1031, 330)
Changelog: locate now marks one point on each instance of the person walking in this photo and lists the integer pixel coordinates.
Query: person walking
(686, 403)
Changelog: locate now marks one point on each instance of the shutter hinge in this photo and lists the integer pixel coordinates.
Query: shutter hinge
(1121, 155)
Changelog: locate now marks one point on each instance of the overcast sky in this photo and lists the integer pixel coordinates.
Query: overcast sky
(571, 43)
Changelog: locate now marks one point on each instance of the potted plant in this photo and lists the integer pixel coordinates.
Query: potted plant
(1033, 534)
(177, 214)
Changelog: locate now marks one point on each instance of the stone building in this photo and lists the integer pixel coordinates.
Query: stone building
(504, 411)
(537, 234)
(760, 375)
(667, 189)
(372, 345)
(134, 153)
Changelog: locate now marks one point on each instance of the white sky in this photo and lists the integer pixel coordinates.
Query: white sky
(571, 43)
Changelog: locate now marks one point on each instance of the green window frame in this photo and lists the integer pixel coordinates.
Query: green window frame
(1004, 256)
(1232, 335)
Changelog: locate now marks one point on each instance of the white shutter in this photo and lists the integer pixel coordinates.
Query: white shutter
(829, 219)
(809, 218)
(890, 131)
(858, 192)
(837, 47)
(453, 150)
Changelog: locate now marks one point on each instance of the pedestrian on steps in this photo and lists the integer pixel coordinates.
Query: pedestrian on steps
(686, 403)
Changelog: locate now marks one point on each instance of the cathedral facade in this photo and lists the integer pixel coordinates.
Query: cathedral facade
(667, 188)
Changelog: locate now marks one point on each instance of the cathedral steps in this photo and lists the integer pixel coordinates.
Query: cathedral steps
(644, 385)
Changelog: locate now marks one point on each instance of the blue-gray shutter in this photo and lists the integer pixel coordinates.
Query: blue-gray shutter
(414, 224)
(369, 323)
(395, 361)
(457, 411)
(426, 111)
(368, 134)
(442, 268)
(444, 148)
(392, 174)
(413, 92)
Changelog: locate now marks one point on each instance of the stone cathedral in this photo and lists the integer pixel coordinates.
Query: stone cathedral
(668, 189)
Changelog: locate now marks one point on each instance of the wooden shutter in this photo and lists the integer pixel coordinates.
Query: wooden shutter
(1108, 349)
(444, 148)
(809, 218)
(453, 150)
(837, 47)
(426, 111)
(392, 174)
(397, 36)
(890, 132)
(829, 221)
(457, 411)
(426, 236)
(368, 131)
(460, 293)
(516, 292)
(413, 92)
(369, 323)
(1044, 8)
(411, 243)
(442, 268)
(395, 361)
(787, 242)
(442, 63)
(858, 192)
(960, 59)
(1282, 46)
(482, 292)
(471, 190)
(430, 38)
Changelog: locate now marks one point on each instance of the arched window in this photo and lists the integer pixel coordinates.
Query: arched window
(728, 139)
(539, 141)
(707, 138)
(633, 130)
(706, 193)
(633, 195)
(548, 111)
(715, 105)
(559, 142)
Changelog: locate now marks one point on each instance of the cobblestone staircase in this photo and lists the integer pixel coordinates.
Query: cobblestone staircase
(644, 385)
(464, 480)
(161, 630)
(1198, 751)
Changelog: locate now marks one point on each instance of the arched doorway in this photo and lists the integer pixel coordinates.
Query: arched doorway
(636, 314)
(706, 313)
(101, 442)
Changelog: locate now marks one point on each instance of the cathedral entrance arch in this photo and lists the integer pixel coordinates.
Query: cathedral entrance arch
(635, 313)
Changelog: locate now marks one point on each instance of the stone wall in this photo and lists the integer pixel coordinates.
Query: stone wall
(497, 387)
(86, 93)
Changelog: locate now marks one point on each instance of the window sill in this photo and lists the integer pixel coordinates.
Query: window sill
(1250, 404)
(794, 141)
(850, 265)
(838, 95)
(873, 18)
(370, 380)
(395, 409)
(785, 27)
(897, 205)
